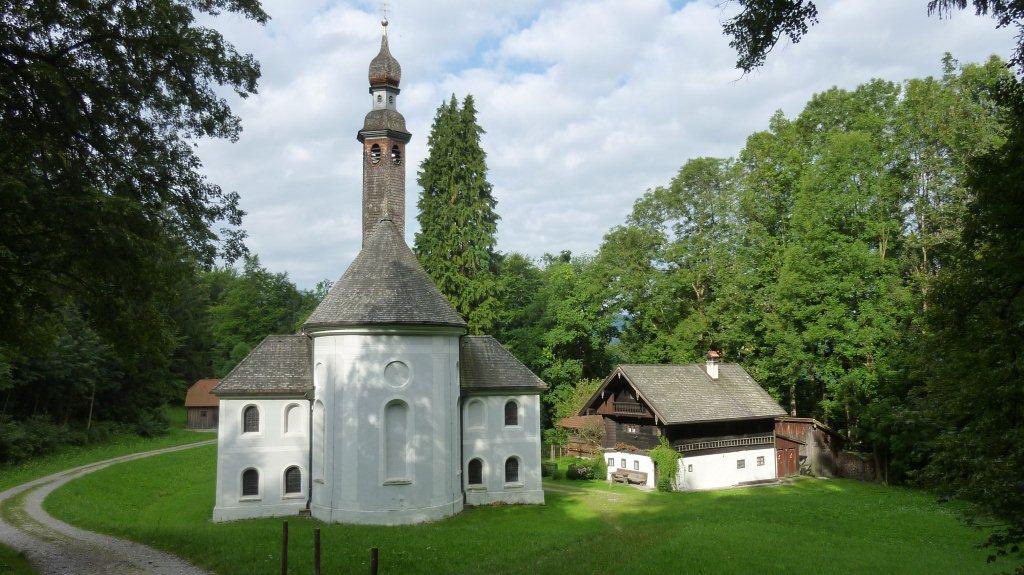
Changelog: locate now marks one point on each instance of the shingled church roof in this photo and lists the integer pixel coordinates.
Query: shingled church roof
(384, 285)
(384, 68)
(280, 364)
(485, 364)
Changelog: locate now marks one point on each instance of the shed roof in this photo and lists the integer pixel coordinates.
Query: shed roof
(280, 364)
(579, 421)
(384, 285)
(199, 394)
(485, 365)
(687, 394)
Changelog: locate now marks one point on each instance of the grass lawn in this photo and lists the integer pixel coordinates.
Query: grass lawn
(812, 526)
(120, 444)
(12, 563)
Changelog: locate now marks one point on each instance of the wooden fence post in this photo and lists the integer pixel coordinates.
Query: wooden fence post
(316, 552)
(284, 548)
(374, 560)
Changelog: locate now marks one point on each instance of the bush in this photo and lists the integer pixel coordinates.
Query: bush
(548, 469)
(582, 470)
(20, 440)
(600, 466)
(666, 462)
(152, 423)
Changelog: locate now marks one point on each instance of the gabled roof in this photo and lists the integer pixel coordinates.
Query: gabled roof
(687, 394)
(280, 364)
(485, 364)
(199, 394)
(384, 285)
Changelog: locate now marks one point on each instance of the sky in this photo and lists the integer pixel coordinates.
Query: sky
(586, 104)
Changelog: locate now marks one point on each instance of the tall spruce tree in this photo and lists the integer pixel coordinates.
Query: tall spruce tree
(457, 218)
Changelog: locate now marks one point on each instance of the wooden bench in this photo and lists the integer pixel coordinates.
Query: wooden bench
(629, 477)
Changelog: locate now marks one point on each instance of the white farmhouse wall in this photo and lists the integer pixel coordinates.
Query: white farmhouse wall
(716, 470)
(354, 384)
(486, 437)
(633, 462)
(270, 451)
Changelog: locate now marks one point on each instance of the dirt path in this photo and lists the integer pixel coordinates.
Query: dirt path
(56, 548)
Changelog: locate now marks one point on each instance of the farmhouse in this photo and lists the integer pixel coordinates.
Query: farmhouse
(382, 410)
(716, 416)
(201, 406)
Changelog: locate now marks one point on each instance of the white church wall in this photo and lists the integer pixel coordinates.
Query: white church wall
(617, 460)
(486, 437)
(280, 442)
(372, 470)
(716, 470)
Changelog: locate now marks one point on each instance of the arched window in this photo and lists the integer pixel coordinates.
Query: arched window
(512, 470)
(475, 473)
(396, 154)
(375, 154)
(475, 414)
(251, 419)
(396, 424)
(293, 480)
(250, 483)
(511, 413)
(319, 441)
(293, 419)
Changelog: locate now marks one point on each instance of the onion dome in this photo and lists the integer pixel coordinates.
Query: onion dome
(384, 69)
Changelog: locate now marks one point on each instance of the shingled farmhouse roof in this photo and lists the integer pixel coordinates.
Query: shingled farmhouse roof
(485, 364)
(280, 364)
(686, 394)
(384, 285)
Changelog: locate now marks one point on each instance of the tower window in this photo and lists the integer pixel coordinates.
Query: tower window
(512, 470)
(391, 99)
(251, 419)
(293, 480)
(250, 483)
(380, 98)
(396, 154)
(511, 413)
(375, 154)
(476, 472)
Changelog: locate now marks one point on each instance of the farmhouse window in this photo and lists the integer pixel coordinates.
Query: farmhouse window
(251, 419)
(689, 468)
(623, 462)
(293, 480)
(636, 465)
(476, 472)
(611, 462)
(202, 413)
(511, 413)
(760, 460)
(512, 470)
(741, 463)
(632, 429)
(250, 483)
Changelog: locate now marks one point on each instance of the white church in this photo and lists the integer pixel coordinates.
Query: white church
(382, 410)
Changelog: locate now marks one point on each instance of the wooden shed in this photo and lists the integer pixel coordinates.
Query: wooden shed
(816, 445)
(201, 405)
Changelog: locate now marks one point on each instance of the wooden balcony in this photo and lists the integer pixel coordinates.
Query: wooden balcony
(766, 439)
(629, 408)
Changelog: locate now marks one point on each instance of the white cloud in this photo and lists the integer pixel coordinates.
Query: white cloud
(586, 104)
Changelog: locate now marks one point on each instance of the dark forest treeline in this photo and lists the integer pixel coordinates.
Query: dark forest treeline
(74, 377)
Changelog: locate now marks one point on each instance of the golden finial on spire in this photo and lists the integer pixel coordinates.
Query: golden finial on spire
(384, 16)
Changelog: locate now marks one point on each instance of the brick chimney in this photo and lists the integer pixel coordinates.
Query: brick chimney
(712, 365)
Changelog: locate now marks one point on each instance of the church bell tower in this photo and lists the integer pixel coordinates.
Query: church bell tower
(384, 137)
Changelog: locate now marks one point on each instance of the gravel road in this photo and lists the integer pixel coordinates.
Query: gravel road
(56, 548)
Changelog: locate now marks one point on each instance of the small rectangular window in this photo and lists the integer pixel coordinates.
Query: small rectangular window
(623, 462)
(689, 468)
(611, 462)
(760, 460)
(636, 465)
(741, 463)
